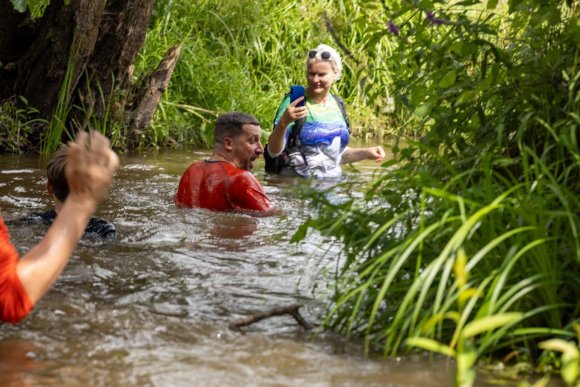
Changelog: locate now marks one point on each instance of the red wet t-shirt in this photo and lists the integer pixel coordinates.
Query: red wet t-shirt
(220, 186)
(14, 302)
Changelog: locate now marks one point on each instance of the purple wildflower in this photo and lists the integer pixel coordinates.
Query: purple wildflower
(393, 28)
(430, 16)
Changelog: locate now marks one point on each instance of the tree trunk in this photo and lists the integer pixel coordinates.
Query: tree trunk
(88, 46)
(121, 35)
(66, 36)
(14, 36)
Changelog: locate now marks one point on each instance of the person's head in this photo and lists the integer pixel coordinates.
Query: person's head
(237, 137)
(323, 67)
(57, 184)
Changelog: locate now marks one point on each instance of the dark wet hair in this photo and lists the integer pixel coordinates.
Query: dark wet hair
(55, 173)
(231, 125)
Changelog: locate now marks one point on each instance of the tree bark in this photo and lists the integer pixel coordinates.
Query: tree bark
(67, 35)
(87, 46)
(15, 35)
(121, 34)
(148, 99)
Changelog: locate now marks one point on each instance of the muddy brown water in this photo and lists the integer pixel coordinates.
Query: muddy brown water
(152, 308)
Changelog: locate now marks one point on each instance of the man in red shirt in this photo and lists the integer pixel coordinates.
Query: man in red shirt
(224, 181)
(89, 170)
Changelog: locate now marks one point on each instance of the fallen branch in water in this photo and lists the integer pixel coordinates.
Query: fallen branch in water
(292, 310)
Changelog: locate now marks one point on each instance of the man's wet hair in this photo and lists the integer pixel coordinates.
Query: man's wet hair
(231, 125)
(55, 173)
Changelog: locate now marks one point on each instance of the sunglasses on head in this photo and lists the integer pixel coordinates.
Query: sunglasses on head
(325, 55)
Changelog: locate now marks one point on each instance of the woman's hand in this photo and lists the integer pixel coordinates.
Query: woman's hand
(277, 140)
(376, 153)
(352, 155)
(293, 112)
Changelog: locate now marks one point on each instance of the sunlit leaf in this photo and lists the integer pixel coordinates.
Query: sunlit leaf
(20, 5)
(466, 294)
(459, 268)
(448, 79)
(423, 110)
(489, 323)
(430, 345)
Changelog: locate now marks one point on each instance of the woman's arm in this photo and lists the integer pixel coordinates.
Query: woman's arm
(352, 155)
(277, 139)
(89, 170)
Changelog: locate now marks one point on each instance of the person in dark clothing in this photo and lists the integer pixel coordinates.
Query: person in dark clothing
(58, 187)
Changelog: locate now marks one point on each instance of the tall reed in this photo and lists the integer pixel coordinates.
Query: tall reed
(467, 244)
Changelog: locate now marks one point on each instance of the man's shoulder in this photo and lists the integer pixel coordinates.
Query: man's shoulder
(100, 228)
(46, 218)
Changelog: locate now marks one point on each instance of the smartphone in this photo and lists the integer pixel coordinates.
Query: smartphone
(297, 91)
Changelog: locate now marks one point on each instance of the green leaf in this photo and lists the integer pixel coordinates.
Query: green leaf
(570, 358)
(489, 323)
(465, 374)
(448, 79)
(456, 48)
(20, 5)
(300, 233)
(465, 96)
(491, 4)
(430, 345)
(423, 110)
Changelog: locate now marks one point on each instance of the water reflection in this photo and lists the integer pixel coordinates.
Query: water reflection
(152, 307)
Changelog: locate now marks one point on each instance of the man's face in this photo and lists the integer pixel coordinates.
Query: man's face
(247, 147)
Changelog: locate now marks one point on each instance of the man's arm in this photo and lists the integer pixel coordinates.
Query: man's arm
(247, 195)
(89, 170)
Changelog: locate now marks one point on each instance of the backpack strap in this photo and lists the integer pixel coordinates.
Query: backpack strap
(342, 107)
(295, 132)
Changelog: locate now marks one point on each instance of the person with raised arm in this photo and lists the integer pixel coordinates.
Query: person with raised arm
(23, 281)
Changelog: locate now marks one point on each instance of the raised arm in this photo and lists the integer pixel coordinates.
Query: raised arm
(352, 155)
(89, 170)
(277, 139)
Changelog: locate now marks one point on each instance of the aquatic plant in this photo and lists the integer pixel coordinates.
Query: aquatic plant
(16, 123)
(467, 243)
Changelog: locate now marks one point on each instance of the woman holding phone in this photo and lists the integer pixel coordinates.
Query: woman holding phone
(319, 146)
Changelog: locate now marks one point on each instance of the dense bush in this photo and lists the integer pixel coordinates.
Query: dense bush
(469, 246)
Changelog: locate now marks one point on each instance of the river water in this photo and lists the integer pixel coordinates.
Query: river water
(153, 307)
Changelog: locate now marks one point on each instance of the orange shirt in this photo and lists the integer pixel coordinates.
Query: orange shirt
(14, 302)
(220, 186)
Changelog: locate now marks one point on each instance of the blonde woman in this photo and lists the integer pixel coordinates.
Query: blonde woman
(321, 145)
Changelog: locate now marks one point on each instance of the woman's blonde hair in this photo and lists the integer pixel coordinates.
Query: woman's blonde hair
(317, 55)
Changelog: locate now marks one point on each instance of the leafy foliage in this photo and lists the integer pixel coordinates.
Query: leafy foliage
(469, 247)
(35, 7)
(245, 55)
